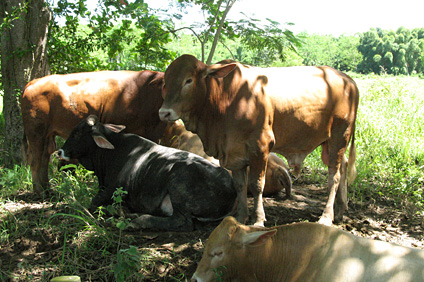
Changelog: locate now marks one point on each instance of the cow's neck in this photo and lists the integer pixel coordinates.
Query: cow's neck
(208, 121)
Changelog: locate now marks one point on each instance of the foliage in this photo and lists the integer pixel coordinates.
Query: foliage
(267, 38)
(390, 52)
(7, 20)
(393, 114)
(268, 41)
(340, 53)
(113, 36)
(128, 263)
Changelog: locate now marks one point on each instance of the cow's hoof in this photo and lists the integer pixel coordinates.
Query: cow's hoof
(325, 221)
(259, 224)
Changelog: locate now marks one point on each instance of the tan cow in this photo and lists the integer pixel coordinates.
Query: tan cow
(277, 174)
(303, 252)
(54, 105)
(241, 113)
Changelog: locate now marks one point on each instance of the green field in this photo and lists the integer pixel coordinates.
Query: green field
(68, 240)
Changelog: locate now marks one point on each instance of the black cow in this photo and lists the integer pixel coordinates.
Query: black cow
(169, 187)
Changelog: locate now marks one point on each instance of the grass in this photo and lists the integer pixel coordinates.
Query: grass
(57, 236)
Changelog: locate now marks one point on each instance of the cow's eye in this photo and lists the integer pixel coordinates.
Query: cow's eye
(188, 81)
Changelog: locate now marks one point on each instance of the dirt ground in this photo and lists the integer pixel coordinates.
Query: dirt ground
(174, 255)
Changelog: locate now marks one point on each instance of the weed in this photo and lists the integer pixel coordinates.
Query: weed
(128, 263)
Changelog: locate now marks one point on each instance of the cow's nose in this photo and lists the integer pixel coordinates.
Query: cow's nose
(61, 155)
(164, 114)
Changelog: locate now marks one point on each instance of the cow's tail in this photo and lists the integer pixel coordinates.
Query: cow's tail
(351, 168)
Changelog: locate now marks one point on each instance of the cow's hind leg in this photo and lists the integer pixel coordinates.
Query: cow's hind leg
(38, 159)
(333, 153)
(333, 183)
(176, 222)
(341, 197)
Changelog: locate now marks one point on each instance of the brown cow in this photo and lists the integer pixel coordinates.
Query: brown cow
(241, 113)
(55, 104)
(277, 173)
(303, 252)
(176, 136)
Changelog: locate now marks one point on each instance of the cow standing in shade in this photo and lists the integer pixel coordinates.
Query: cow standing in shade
(277, 173)
(303, 252)
(169, 187)
(55, 104)
(242, 113)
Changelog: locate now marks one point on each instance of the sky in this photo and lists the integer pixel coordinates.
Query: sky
(333, 17)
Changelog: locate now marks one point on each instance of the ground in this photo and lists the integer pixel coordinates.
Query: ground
(172, 256)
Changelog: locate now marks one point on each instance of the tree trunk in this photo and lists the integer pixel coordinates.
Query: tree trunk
(23, 58)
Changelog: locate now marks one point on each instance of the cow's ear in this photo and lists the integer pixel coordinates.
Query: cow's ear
(114, 127)
(257, 238)
(220, 71)
(102, 142)
(158, 81)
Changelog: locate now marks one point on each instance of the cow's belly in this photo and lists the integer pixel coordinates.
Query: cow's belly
(294, 135)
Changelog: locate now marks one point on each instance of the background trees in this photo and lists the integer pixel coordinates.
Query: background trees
(392, 52)
(338, 52)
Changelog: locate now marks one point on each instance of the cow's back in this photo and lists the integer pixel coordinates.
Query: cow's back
(338, 256)
(310, 252)
(120, 97)
(304, 102)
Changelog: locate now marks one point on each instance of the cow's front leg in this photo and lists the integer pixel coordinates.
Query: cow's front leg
(256, 187)
(176, 222)
(240, 183)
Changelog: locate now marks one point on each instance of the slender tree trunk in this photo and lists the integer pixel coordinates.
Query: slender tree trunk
(218, 32)
(23, 58)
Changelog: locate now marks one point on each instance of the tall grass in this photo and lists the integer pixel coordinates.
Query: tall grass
(390, 133)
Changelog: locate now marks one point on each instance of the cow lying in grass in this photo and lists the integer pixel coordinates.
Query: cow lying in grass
(303, 252)
(168, 186)
(277, 174)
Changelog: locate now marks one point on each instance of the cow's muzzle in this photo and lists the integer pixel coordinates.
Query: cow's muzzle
(167, 114)
(61, 154)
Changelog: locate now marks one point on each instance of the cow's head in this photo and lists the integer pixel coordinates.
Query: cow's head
(85, 136)
(186, 85)
(226, 250)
